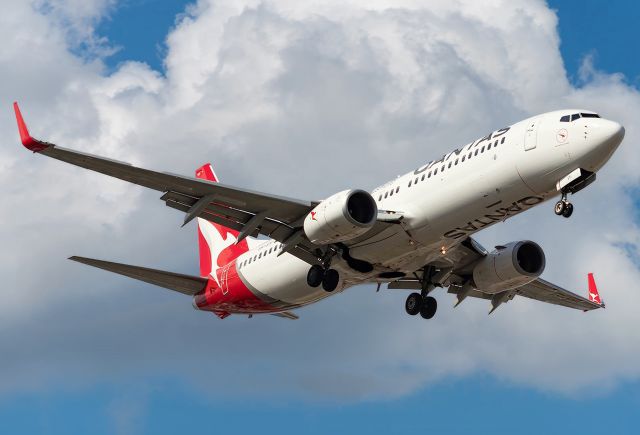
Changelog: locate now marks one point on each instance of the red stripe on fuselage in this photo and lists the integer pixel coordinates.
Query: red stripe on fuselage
(231, 295)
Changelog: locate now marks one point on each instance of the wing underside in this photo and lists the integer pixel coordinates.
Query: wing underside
(465, 257)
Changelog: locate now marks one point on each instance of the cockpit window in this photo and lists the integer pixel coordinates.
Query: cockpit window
(570, 118)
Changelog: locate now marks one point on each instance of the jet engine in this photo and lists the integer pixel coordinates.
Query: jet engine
(343, 216)
(509, 266)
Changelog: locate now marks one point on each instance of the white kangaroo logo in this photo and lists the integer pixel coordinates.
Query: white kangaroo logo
(216, 243)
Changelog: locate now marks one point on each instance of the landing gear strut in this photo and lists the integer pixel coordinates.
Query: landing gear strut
(563, 207)
(317, 275)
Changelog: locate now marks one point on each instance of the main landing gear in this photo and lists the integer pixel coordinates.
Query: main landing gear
(563, 207)
(320, 275)
(425, 305)
(421, 302)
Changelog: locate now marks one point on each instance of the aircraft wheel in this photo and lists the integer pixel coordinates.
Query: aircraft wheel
(429, 307)
(568, 210)
(330, 281)
(560, 207)
(315, 276)
(413, 304)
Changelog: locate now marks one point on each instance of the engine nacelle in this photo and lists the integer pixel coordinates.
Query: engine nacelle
(342, 216)
(509, 266)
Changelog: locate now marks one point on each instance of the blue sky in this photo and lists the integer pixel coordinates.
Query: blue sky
(478, 402)
(586, 28)
(455, 406)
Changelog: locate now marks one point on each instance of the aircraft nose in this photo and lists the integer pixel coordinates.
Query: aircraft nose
(612, 132)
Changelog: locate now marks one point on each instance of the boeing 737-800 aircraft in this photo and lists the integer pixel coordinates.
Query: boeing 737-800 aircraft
(411, 233)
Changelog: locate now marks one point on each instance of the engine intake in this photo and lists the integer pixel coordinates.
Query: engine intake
(509, 266)
(343, 216)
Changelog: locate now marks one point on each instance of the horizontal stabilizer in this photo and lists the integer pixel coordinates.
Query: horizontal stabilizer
(187, 284)
(286, 315)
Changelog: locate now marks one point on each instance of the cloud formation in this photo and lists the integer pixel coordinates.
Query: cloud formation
(302, 99)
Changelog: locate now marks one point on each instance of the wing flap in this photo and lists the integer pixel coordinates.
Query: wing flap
(186, 284)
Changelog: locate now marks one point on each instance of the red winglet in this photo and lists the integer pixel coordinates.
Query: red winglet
(29, 142)
(206, 172)
(594, 296)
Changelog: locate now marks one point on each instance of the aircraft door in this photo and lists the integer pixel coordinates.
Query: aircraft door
(531, 134)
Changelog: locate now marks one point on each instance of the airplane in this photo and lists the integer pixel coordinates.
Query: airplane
(413, 232)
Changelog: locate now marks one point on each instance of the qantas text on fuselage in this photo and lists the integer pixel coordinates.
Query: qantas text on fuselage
(412, 233)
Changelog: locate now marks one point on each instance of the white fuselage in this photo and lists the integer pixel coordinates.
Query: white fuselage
(444, 201)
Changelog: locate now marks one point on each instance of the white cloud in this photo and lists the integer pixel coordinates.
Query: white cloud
(301, 99)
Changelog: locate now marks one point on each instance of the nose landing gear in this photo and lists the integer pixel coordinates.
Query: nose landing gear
(563, 207)
(317, 275)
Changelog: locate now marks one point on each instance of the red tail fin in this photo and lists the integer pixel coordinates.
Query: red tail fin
(217, 243)
(594, 296)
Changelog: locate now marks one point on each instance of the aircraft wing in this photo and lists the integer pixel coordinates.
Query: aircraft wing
(247, 211)
(464, 257)
(545, 291)
(539, 290)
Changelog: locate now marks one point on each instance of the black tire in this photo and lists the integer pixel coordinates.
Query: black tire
(560, 207)
(568, 210)
(413, 304)
(315, 276)
(330, 281)
(429, 307)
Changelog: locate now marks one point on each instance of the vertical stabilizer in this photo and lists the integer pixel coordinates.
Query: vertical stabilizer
(217, 243)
